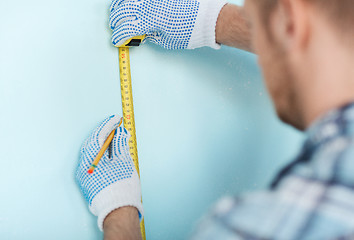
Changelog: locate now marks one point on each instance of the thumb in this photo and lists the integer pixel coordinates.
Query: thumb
(100, 134)
(121, 145)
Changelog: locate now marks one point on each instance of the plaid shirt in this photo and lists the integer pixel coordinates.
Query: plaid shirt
(312, 198)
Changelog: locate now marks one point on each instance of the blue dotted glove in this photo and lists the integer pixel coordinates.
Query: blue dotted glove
(115, 182)
(172, 24)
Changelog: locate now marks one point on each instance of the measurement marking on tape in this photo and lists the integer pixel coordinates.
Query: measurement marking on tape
(128, 111)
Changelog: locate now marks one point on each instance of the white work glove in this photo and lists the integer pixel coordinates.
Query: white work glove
(172, 24)
(115, 182)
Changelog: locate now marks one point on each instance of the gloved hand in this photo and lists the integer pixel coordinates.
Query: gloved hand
(115, 182)
(172, 24)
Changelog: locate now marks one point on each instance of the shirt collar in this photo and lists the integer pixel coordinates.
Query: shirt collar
(334, 123)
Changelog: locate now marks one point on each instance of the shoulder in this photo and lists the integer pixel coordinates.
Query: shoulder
(334, 162)
(297, 209)
(344, 167)
(261, 215)
(237, 218)
(331, 162)
(314, 201)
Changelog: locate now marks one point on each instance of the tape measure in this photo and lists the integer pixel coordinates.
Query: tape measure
(127, 103)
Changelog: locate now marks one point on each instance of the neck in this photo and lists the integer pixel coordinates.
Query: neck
(328, 80)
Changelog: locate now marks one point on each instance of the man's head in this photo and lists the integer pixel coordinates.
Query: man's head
(339, 13)
(301, 45)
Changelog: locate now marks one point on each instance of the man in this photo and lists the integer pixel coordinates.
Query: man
(306, 51)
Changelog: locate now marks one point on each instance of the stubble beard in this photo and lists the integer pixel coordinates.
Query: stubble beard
(281, 83)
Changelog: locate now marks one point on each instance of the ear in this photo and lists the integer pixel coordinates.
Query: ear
(291, 25)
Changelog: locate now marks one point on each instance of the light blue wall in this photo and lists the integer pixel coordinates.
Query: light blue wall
(205, 124)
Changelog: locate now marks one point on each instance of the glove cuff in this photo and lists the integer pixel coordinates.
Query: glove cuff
(204, 31)
(123, 193)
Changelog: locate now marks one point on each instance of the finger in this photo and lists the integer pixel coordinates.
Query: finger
(100, 134)
(120, 145)
(116, 3)
(124, 32)
(157, 39)
(152, 38)
(83, 147)
(143, 41)
(124, 13)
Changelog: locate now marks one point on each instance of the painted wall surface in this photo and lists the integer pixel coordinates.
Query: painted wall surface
(205, 124)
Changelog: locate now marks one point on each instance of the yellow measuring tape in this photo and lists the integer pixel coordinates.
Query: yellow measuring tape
(127, 103)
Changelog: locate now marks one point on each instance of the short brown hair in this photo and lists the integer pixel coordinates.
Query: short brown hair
(338, 12)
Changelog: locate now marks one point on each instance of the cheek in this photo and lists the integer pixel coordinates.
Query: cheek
(268, 75)
(267, 59)
(260, 43)
(270, 62)
(274, 74)
(256, 41)
(267, 63)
